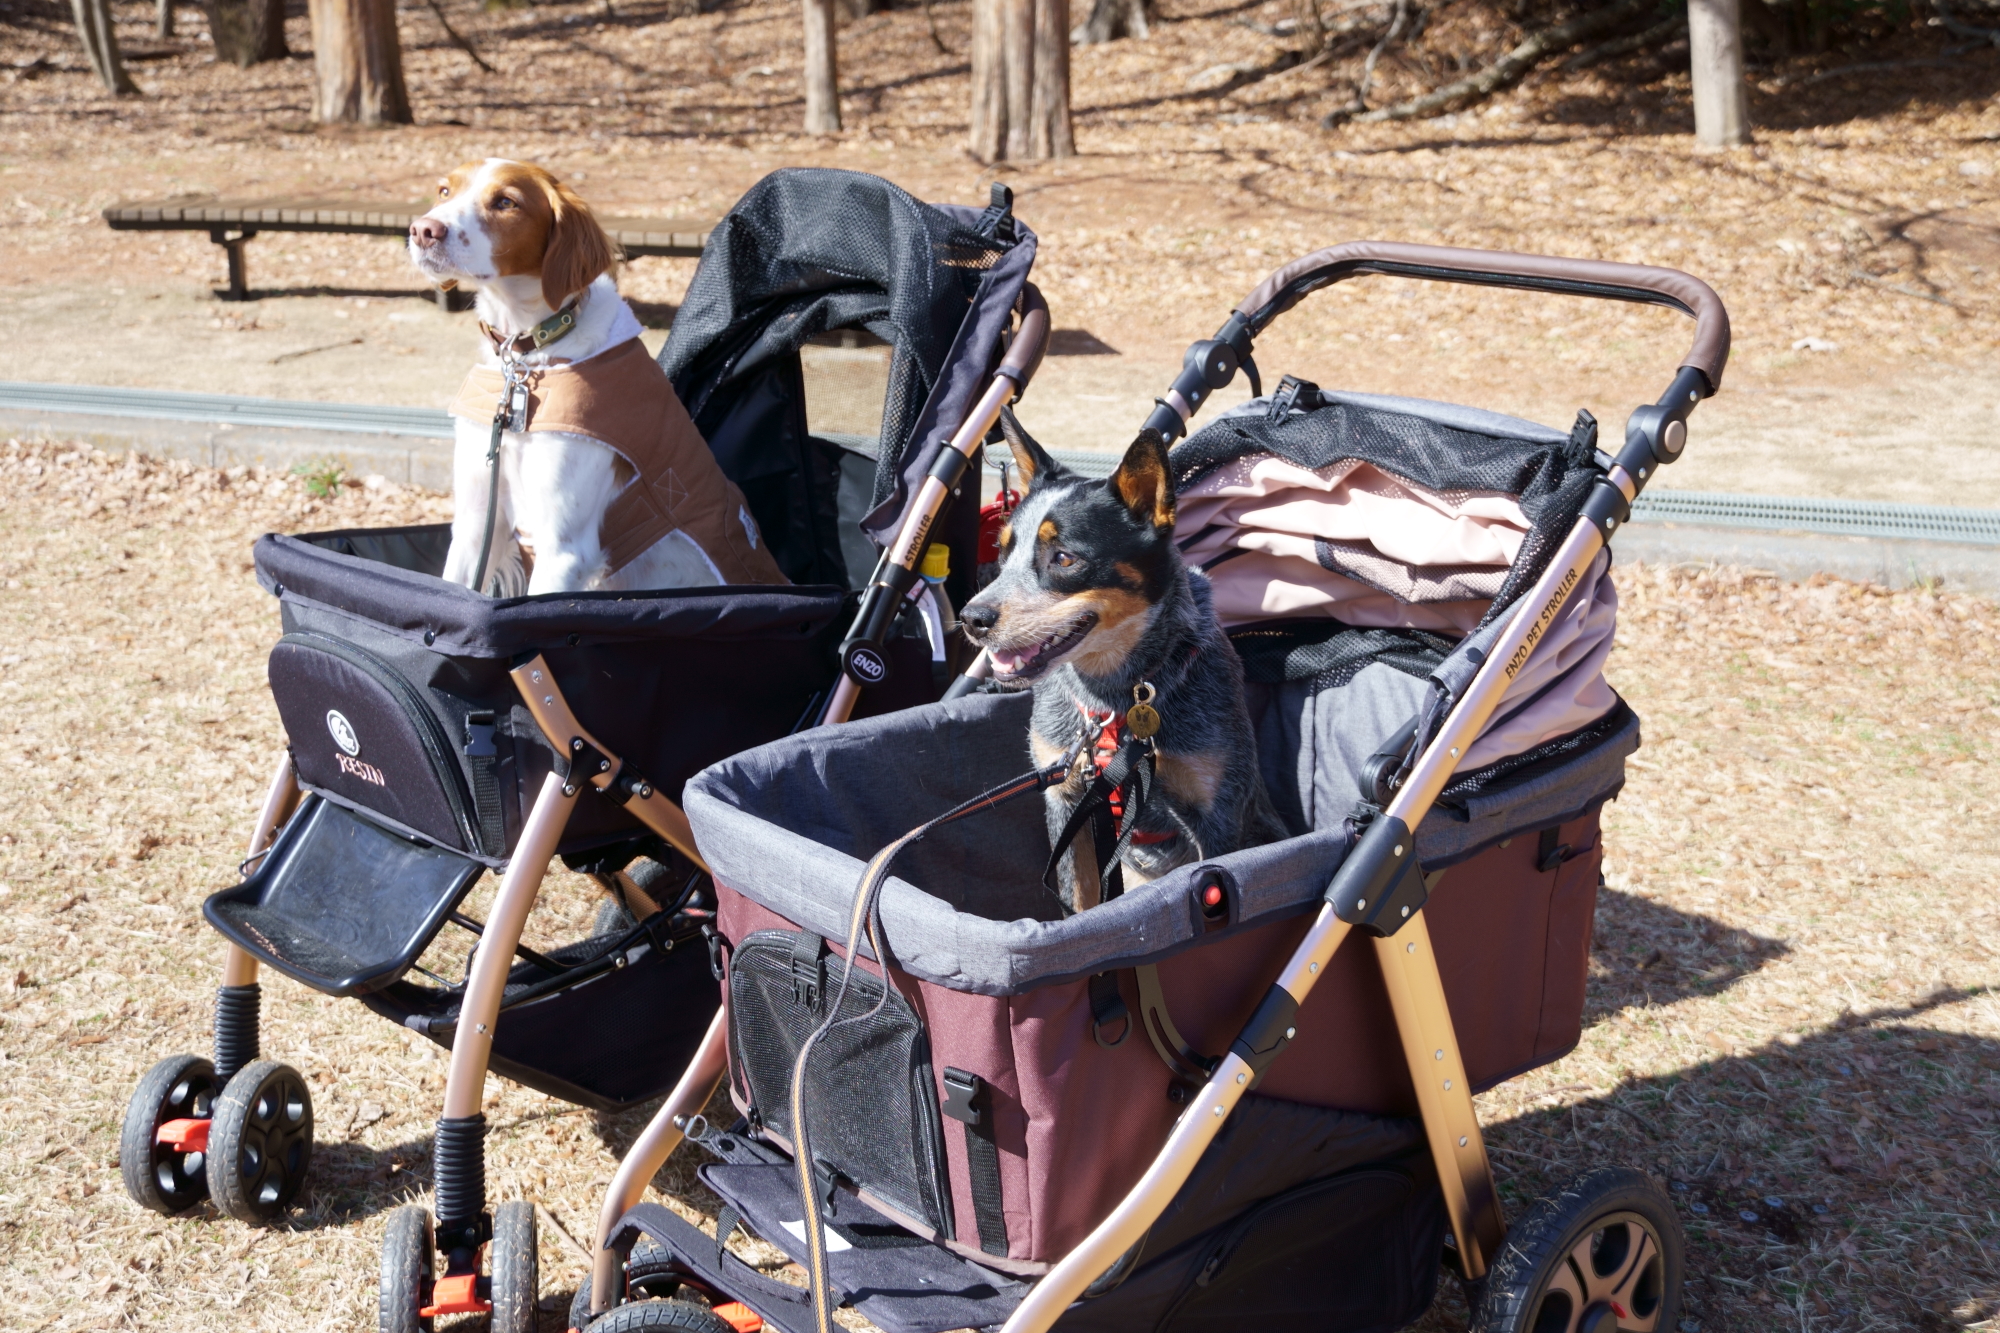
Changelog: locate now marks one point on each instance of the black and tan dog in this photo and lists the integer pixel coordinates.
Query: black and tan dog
(1094, 609)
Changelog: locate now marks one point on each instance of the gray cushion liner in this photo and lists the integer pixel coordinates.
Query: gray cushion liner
(791, 824)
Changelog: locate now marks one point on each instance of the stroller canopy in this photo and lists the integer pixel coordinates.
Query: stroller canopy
(808, 251)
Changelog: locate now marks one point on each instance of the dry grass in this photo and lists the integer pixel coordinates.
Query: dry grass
(1794, 992)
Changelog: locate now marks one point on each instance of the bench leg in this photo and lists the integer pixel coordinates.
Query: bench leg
(452, 300)
(239, 280)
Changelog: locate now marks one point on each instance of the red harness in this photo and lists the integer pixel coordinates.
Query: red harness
(1102, 750)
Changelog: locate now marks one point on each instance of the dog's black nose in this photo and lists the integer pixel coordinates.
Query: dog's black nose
(978, 620)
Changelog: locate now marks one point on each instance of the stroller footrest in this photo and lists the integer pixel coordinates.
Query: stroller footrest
(341, 903)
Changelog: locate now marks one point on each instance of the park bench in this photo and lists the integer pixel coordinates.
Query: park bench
(232, 226)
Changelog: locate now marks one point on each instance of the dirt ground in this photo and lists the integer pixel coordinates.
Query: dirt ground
(1794, 1016)
(1864, 224)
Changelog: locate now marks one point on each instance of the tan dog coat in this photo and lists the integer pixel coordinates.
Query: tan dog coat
(622, 399)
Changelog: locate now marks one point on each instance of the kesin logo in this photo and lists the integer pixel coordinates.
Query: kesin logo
(343, 731)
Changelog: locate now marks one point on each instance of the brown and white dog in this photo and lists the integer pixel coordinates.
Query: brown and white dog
(608, 485)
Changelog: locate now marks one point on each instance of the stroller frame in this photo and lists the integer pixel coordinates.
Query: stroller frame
(1374, 891)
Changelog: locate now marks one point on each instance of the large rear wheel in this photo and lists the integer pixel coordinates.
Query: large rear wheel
(1602, 1255)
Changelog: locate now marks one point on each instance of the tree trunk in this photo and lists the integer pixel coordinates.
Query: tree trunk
(1052, 135)
(1715, 53)
(1111, 19)
(163, 20)
(989, 80)
(1019, 46)
(100, 43)
(822, 70)
(246, 31)
(358, 62)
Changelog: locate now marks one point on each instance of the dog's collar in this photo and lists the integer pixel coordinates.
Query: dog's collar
(549, 330)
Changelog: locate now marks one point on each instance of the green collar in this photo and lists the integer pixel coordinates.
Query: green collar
(537, 338)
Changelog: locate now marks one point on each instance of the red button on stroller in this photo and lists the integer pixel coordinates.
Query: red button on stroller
(436, 735)
(1202, 1105)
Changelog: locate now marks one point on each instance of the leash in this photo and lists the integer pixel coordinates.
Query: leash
(867, 914)
(511, 412)
(1112, 813)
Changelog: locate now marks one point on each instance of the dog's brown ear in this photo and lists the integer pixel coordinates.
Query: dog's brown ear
(1030, 457)
(578, 253)
(1144, 482)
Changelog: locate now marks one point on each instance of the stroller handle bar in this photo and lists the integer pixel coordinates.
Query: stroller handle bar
(1213, 362)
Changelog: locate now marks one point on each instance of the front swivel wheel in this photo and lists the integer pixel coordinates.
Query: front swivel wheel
(1602, 1255)
(260, 1142)
(409, 1268)
(163, 1151)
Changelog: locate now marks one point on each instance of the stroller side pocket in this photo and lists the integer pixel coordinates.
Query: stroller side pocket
(874, 1101)
(363, 733)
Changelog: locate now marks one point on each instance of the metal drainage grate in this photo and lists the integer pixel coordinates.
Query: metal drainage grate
(218, 408)
(1783, 513)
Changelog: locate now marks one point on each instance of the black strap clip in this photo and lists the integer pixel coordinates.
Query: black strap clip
(962, 1096)
(1107, 1009)
(808, 969)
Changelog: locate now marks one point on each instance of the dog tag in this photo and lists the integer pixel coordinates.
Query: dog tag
(517, 408)
(1142, 720)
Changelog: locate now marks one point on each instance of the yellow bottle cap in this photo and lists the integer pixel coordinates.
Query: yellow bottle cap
(937, 562)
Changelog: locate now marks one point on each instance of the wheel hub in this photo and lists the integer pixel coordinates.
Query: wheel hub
(1599, 1318)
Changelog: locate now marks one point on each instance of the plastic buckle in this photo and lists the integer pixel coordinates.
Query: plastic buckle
(808, 969)
(457, 1293)
(961, 1090)
(183, 1135)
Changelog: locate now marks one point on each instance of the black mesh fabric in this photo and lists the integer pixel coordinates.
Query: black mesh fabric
(1551, 480)
(1543, 758)
(873, 1102)
(805, 251)
(1275, 651)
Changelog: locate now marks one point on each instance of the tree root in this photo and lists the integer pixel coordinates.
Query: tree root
(1625, 46)
(1506, 71)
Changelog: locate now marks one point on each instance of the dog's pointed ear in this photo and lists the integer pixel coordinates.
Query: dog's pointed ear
(1145, 482)
(1030, 457)
(579, 252)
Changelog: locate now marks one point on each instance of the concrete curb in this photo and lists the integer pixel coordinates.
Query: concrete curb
(1800, 555)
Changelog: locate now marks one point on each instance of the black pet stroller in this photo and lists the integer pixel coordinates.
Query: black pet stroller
(436, 735)
(1190, 1107)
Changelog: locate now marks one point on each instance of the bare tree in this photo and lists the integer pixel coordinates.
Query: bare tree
(163, 20)
(1020, 80)
(822, 69)
(358, 62)
(100, 43)
(246, 31)
(1715, 57)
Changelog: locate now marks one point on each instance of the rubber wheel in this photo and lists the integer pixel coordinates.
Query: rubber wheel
(260, 1142)
(678, 1316)
(1604, 1253)
(513, 1263)
(650, 1274)
(408, 1264)
(611, 919)
(162, 1178)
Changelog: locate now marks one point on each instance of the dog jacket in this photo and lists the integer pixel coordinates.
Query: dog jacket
(622, 399)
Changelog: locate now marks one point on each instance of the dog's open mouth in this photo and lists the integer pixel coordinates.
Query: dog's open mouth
(1030, 662)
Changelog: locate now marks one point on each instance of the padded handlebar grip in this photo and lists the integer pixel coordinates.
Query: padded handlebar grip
(1031, 340)
(1495, 268)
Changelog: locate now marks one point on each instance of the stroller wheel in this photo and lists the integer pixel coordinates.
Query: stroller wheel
(260, 1142)
(408, 1268)
(172, 1176)
(650, 1274)
(1604, 1253)
(611, 919)
(662, 1317)
(511, 1259)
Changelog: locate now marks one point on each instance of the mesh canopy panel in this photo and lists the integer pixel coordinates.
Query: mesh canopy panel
(810, 250)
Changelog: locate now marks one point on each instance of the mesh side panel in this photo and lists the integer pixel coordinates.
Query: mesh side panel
(1546, 757)
(1332, 653)
(872, 1101)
